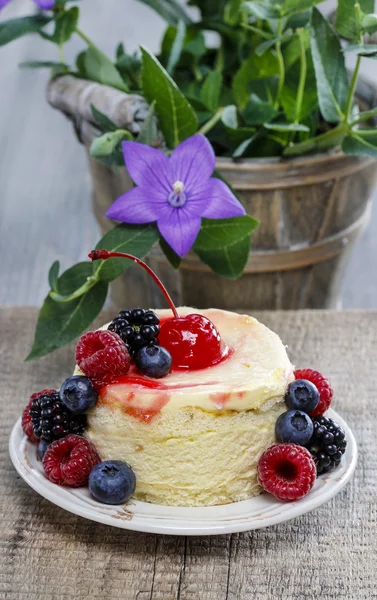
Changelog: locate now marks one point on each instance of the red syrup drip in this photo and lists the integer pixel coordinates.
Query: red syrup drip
(193, 341)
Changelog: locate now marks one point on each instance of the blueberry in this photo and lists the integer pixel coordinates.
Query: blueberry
(42, 447)
(302, 395)
(112, 482)
(153, 361)
(78, 394)
(294, 427)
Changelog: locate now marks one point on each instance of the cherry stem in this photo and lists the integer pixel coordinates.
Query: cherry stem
(104, 254)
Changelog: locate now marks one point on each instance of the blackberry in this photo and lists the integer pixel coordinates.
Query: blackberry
(51, 420)
(327, 444)
(137, 328)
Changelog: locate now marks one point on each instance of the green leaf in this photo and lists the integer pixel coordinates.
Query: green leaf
(235, 133)
(210, 92)
(330, 70)
(355, 144)
(104, 123)
(65, 26)
(133, 239)
(129, 66)
(172, 257)
(258, 112)
(73, 278)
(60, 323)
(241, 149)
(170, 10)
(14, 28)
(254, 68)
(346, 22)
(224, 244)
(369, 23)
(288, 96)
(297, 6)
(261, 49)
(107, 147)
(100, 68)
(369, 50)
(43, 64)
(177, 47)
(148, 133)
(286, 127)
(217, 233)
(263, 10)
(232, 12)
(177, 119)
(53, 275)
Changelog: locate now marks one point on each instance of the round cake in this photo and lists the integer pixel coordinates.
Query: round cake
(194, 438)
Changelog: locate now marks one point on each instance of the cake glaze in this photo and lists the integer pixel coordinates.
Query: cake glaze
(194, 438)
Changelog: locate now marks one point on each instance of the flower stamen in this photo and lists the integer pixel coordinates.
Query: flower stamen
(177, 198)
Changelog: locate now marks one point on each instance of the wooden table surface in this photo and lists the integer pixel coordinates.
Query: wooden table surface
(329, 554)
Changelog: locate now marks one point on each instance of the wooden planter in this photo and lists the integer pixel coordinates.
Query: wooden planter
(311, 210)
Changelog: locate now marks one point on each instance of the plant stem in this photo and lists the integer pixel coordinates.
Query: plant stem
(85, 38)
(321, 142)
(364, 116)
(61, 54)
(212, 122)
(302, 80)
(352, 90)
(281, 65)
(260, 32)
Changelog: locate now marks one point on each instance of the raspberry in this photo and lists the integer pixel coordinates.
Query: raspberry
(102, 356)
(26, 422)
(69, 461)
(325, 390)
(287, 471)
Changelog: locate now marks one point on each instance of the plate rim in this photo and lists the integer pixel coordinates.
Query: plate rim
(166, 525)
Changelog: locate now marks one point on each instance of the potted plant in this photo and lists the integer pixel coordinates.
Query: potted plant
(278, 107)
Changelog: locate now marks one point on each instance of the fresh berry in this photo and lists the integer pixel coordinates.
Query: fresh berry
(102, 356)
(112, 482)
(78, 394)
(327, 445)
(51, 419)
(324, 388)
(153, 361)
(42, 447)
(69, 461)
(193, 342)
(137, 328)
(302, 395)
(26, 422)
(294, 427)
(287, 471)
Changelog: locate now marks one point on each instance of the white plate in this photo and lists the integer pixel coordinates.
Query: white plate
(255, 513)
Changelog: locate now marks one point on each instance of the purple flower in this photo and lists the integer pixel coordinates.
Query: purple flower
(44, 4)
(176, 192)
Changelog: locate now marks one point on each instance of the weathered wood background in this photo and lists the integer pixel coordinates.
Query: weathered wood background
(45, 209)
(328, 554)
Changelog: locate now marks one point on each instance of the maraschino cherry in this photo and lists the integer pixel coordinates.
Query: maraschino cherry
(193, 341)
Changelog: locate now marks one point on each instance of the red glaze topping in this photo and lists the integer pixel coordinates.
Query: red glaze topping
(193, 342)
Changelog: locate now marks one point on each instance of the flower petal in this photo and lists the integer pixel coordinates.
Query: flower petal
(4, 3)
(135, 206)
(222, 203)
(179, 229)
(147, 166)
(45, 4)
(192, 162)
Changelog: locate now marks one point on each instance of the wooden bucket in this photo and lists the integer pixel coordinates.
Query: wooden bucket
(311, 210)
